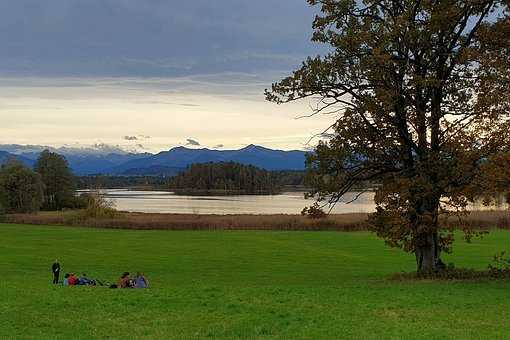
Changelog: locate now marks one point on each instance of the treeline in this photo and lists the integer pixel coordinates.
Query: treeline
(116, 182)
(285, 180)
(49, 186)
(227, 177)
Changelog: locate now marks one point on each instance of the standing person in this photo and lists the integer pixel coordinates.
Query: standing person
(55, 269)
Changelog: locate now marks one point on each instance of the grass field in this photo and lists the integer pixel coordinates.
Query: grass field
(241, 284)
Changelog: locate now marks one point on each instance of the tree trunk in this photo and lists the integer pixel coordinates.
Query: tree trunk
(427, 248)
(427, 254)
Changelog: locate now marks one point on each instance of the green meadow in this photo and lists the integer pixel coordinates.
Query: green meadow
(241, 285)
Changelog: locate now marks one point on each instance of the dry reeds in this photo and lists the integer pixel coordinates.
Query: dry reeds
(480, 220)
(344, 222)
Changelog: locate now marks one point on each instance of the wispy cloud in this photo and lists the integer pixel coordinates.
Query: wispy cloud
(192, 142)
(125, 111)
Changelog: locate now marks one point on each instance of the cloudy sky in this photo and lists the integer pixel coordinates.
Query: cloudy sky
(152, 74)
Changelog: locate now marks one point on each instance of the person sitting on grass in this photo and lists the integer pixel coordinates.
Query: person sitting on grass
(125, 281)
(85, 281)
(141, 281)
(72, 280)
(66, 280)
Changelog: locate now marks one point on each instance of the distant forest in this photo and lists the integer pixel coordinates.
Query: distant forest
(206, 178)
(116, 182)
(226, 177)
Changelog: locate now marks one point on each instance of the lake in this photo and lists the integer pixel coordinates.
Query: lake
(286, 203)
(167, 202)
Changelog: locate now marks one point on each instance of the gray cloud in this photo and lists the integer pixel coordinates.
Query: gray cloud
(192, 142)
(152, 37)
(219, 146)
(130, 138)
(189, 105)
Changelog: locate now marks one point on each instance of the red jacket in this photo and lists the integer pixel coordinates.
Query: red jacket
(72, 280)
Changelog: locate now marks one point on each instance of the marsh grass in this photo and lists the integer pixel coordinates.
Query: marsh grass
(479, 220)
(123, 220)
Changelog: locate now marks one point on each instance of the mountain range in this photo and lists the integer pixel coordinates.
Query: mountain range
(6, 156)
(102, 159)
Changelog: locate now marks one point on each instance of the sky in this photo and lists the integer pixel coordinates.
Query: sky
(150, 75)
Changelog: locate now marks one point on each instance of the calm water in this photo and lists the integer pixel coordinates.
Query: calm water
(287, 203)
(165, 202)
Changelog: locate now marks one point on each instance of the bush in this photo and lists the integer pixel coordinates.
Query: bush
(500, 263)
(314, 211)
(99, 207)
(93, 207)
(499, 269)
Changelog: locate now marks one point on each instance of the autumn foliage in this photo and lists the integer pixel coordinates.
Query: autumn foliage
(421, 92)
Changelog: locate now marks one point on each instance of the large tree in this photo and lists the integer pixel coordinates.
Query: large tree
(21, 189)
(422, 94)
(58, 180)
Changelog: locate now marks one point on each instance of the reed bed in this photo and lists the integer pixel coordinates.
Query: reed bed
(481, 220)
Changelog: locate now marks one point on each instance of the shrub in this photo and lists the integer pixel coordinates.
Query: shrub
(499, 269)
(500, 263)
(99, 207)
(96, 207)
(314, 211)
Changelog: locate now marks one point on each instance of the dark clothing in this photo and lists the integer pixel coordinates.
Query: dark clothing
(55, 268)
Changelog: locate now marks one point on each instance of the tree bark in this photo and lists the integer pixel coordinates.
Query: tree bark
(427, 248)
(427, 253)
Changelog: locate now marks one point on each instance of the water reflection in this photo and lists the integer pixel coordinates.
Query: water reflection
(287, 203)
(167, 202)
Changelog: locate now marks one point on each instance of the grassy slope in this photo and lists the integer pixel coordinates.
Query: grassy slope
(292, 285)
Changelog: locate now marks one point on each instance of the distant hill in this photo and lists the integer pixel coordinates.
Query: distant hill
(90, 164)
(6, 156)
(155, 170)
(181, 157)
(99, 164)
(83, 161)
(114, 161)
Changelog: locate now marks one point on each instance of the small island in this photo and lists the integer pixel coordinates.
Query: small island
(225, 178)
